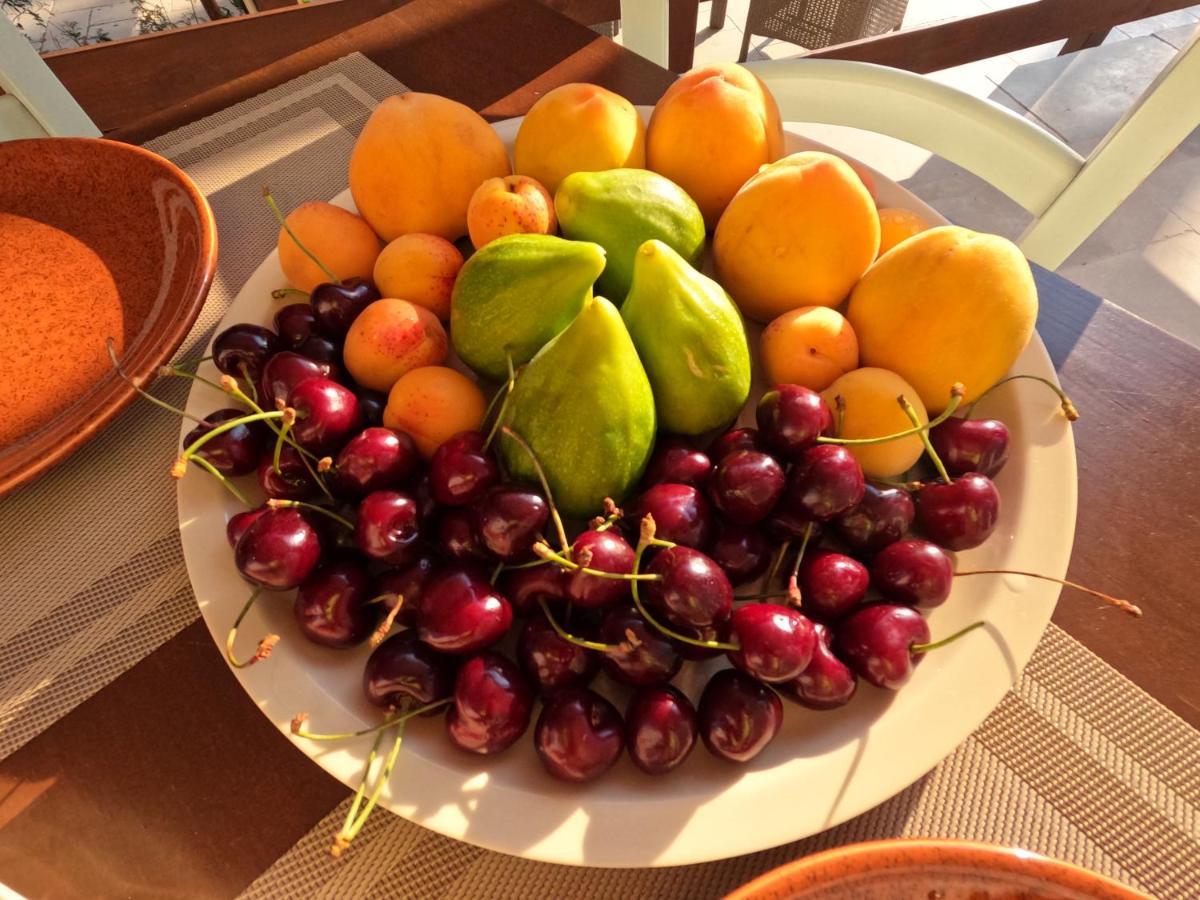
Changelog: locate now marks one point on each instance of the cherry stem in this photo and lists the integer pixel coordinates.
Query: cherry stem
(284, 292)
(1068, 408)
(217, 474)
(286, 227)
(190, 450)
(162, 404)
(280, 437)
(542, 549)
(503, 396)
(1123, 605)
(570, 638)
(527, 565)
(342, 840)
(775, 564)
(298, 723)
(793, 587)
(839, 414)
(541, 474)
(901, 485)
(919, 427)
(265, 646)
(352, 814)
(180, 372)
(380, 634)
(925, 648)
(766, 595)
(329, 513)
(924, 434)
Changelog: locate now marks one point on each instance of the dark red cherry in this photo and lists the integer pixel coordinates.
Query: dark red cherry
(239, 522)
(738, 716)
(371, 404)
(456, 536)
(693, 652)
(461, 470)
(242, 350)
(295, 323)
(407, 584)
(461, 613)
(524, 587)
(326, 414)
(493, 703)
(331, 606)
(375, 459)
(776, 642)
(916, 573)
(746, 485)
(320, 349)
(693, 591)
(734, 439)
(660, 728)
(644, 656)
(402, 668)
(827, 682)
(959, 515)
(606, 552)
(681, 514)
(831, 584)
(423, 493)
(971, 445)
(881, 517)
(825, 482)
(279, 550)
(292, 481)
(791, 418)
(579, 735)
(232, 452)
(508, 519)
(388, 527)
(741, 551)
(676, 461)
(787, 524)
(551, 662)
(282, 373)
(877, 640)
(337, 305)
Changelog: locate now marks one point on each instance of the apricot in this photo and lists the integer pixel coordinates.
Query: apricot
(712, 130)
(337, 237)
(417, 162)
(419, 268)
(811, 346)
(799, 233)
(432, 403)
(391, 337)
(578, 128)
(872, 411)
(516, 204)
(947, 305)
(896, 225)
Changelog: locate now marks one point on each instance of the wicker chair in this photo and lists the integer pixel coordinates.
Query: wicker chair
(817, 23)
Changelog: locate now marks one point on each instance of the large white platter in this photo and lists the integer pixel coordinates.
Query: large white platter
(823, 768)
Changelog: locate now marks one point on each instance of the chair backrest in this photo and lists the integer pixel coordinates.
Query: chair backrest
(644, 29)
(33, 103)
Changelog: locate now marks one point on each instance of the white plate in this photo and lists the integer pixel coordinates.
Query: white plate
(822, 769)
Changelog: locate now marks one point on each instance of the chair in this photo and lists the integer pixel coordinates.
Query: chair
(813, 24)
(33, 103)
(1068, 195)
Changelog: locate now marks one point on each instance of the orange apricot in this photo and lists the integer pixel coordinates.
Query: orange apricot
(419, 268)
(810, 346)
(433, 403)
(389, 338)
(342, 241)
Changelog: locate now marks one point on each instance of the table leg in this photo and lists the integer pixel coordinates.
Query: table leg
(684, 15)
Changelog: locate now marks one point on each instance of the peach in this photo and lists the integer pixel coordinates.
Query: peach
(872, 411)
(433, 403)
(578, 128)
(419, 268)
(713, 129)
(391, 337)
(342, 241)
(417, 162)
(896, 225)
(515, 204)
(811, 346)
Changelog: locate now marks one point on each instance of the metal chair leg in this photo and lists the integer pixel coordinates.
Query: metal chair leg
(716, 16)
(745, 44)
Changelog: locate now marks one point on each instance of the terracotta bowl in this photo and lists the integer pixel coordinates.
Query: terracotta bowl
(98, 240)
(931, 870)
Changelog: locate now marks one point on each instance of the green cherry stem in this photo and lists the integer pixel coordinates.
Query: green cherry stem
(178, 371)
(380, 634)
(570, 638)
(284, 292)
(793, 586)
(343, 838)
(299, 731)
(265, 646)
(502, 396)
(924, 434)
(919, 427)
(229, 485)
(541, 474)
(360, 793)
(542, 549)
(765, 585)
(280, 437)
(925, 648)
(766, 595)
(1123, 605)
(286, 227)
(162, 404)
(839, 414)
(1068, 408)
(527, 565)
(329, 513)
(190, 451)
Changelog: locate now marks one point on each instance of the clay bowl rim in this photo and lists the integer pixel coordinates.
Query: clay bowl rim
(53, 442)
(879, 856)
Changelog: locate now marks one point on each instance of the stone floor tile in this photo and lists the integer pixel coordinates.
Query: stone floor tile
(1177, 37)
(1149, 26)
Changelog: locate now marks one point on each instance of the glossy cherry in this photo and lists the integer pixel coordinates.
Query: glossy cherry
(326, 414)
(787, 524)
(644, 656)
(877, 640)
(734, 439)
(971, 445)
(461, 470)
(741, 551)
(456, 537)
(693, 590)
(242, 350)
(959, 515)
(336, 305)
(681, 514)
(493, 703)
(791, 418)
(746, 485)
(375, 459)
(525, 587)
(295, 323)
(776, 642)
(461, 613)
(660, 728)
(579, 735)
(882, 517)
(825, 482)
(605, 551)
(282, 373)
(677, 461)
(913, 572)
(508, 519)
(279, 550)
(827, 682)
(738, 716)
(388, 527)
(371, 404)
(402, 668)
(320, 349)
(332, 608)
(407, 583)
(239, 522)
(551, 662)
(292, 481)
(232, 452)
(831, 584)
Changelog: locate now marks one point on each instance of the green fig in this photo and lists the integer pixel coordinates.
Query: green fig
(691, 340)
(515, 294)
(620, 210)
(585, 407)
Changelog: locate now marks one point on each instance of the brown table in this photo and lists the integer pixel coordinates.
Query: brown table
(179, 781)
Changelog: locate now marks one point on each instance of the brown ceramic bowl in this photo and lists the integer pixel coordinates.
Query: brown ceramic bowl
(98, 240)
(931, 870)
